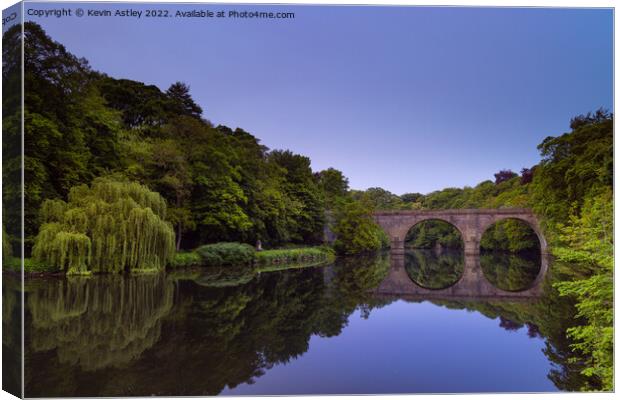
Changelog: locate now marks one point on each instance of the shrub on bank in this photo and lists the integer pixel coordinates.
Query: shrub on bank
(31, 266)
(238, 254)
(226, 254)
(186, 259)
(291, 256)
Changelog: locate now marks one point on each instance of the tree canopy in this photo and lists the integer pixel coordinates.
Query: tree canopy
(108, 227)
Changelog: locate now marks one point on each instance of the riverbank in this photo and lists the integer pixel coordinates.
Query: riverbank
(221, 254)
(13, 264)
(216, 255)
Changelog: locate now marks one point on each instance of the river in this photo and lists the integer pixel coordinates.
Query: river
(314, 330)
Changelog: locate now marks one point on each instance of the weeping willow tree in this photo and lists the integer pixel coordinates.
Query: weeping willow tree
(110, 226)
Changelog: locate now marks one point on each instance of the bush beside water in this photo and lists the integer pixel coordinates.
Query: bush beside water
(186, 259)
(220, 254)
(226, 254)
(292, 256)
(30, 266)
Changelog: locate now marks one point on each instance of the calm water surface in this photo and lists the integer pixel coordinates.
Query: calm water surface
(317, 330)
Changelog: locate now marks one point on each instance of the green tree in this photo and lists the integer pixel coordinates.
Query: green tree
(334, 184)
(575, 166)
(183, 102)
(431, 233)
(356, 231)
(143, 108)
(12, 138)
(110, 226)
(305, 196)
(70, 135)
(587, 241)
(380, 199)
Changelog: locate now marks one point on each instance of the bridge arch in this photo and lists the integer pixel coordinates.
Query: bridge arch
(529, 220)
(427, 218)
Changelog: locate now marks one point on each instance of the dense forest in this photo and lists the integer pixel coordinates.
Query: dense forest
(120, 175)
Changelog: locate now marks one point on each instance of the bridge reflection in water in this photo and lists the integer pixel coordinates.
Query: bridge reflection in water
(472, 284)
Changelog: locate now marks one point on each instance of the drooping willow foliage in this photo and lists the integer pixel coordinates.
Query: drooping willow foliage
(109, 227)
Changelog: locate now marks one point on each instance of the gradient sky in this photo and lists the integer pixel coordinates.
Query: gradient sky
(410, 99)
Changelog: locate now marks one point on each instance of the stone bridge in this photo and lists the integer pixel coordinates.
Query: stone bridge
(471, 223)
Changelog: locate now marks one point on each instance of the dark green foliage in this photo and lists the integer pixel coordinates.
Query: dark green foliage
(334, 185)
(511, 272)
(183, 103)
(123, 319)
(294, 256)
(11, 139)
(30, 266)
(301, 187)
(510, 235)
(600, 115)
(70, 137)
(411, 197)
(587, 242)
(143, 107)
(444, 199)
(379, 198)
(356, 231)
(434, 269)
(434, 233)
(263, 261)
(186, 259)
(351, 288)
(194, 167)
(219, 183)
(575, 166)
(226, 254)
(573, 189)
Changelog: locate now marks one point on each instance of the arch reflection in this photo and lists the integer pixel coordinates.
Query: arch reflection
(434, 269)
(472, 284)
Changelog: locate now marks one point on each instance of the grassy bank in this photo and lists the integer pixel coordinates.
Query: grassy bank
(294, 256)
(212, 255)
(221, 254)
(13, 264)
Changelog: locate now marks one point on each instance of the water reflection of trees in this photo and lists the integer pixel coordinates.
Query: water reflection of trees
(510, 271)
(97, 322)
(221, 335)
(11, 334)
(350, 287)
(216, 335)
(433, 269)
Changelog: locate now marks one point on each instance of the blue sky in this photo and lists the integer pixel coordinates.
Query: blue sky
(410, 99)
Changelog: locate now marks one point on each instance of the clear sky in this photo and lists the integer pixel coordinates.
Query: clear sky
(409, 99)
